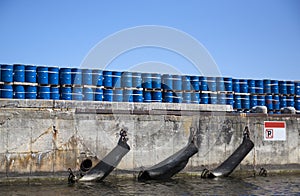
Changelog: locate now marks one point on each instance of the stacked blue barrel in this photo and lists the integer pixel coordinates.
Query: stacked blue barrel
(152, 88)
(241, 95)
(7, 79)
(287, 94)
(48, 82)
(20, 81)
(272, 97)
(297, 95)
(97, 83)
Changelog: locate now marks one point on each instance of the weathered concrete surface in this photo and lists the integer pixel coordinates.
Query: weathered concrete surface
(40, 137)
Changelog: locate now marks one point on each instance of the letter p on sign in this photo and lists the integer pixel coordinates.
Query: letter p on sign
(269, 133)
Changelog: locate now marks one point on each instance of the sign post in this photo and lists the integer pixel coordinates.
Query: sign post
(274, 131)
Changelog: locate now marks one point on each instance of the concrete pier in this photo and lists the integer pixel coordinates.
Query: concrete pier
(42, 137)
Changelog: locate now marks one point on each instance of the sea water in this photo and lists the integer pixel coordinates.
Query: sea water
(178, 185)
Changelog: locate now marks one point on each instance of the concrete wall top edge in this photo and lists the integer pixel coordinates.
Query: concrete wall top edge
(179, 109)
(117, 106)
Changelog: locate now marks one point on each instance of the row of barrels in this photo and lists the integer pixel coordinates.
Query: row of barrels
(238, 101)
(42, 75)
(41, 82)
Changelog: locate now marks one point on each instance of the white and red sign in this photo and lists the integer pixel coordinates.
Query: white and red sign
(274, 131)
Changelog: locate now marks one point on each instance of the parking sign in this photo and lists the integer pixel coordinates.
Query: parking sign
(274, 131)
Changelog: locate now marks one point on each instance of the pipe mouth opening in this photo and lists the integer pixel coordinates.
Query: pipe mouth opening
(86, 165)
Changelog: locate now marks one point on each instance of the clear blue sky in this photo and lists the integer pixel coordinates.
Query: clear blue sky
(247, 39)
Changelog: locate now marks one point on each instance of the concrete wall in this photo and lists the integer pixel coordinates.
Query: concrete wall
(40, 137)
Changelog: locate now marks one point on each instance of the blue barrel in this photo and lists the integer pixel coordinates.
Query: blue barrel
(108, 95)
(276, 102)
(274, 87)
(43, 92)
(203, 83)
(118, 95)
(269, 102)
(177, 96)
(66, 92)
(267, 86)
(54, 92)
(156, 81)
(297, 103)
(7, 91)
(98, 94)
(30, 73)
(127, 80)
(290, 102)
(228, 84)
(195, 97)
(243, 86)
(213, 98)
(136, 80)
(253, 101)
(211, 82)
(186, 97)
(251, 86)
(167, 80)
(76, 76)
(156, 96)
(42, 75)
(282, 100)
(195, 83)
(290, 87)
(77, 93)
(53, 75)
(168, 97)
(19, 73)
(204, 98)
(297, 87)
(221, 98)
(245, 102)
(282, 87)
(147, 96)
(138, 96)
(107, 79)
(229, 99)
(30, 92)
(261, 100)
(87, 77)
(236, 85)
(65, 77)
(237, 102)
(19, 92)
(127, 95)
(259, 86)
(88, 94)
(97, 77)
(220, 84)
(177, 83)
(116, 79)
(147, 80)
(7, 73)
(186, 84)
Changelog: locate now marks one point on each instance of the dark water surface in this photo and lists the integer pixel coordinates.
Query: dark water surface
(188, 185)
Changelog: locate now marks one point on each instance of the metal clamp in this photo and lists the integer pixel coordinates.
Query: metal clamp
(123, 134)
(246, 133)
(72, 178)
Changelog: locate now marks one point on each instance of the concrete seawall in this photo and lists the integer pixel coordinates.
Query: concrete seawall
(39, 137)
